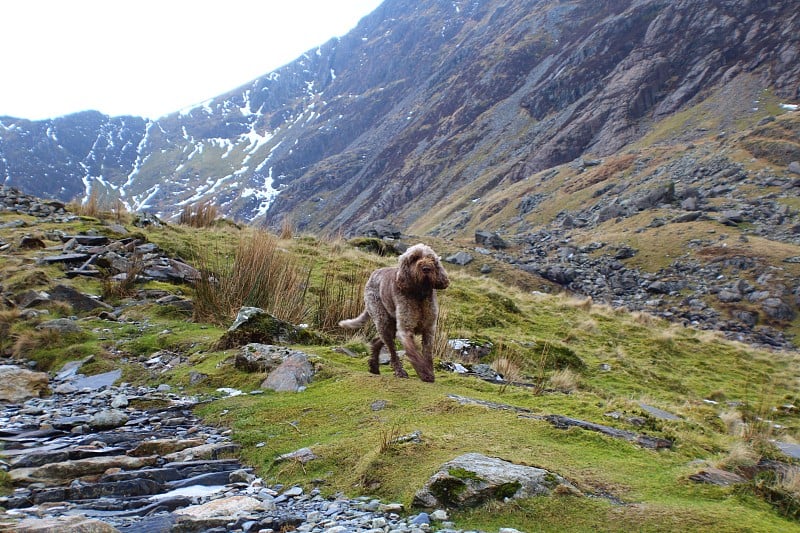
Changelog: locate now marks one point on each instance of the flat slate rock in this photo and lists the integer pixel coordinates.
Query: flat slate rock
(65, 258)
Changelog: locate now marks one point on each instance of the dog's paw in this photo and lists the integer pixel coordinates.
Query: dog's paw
(374, 368)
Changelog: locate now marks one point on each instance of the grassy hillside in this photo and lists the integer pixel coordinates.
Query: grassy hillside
(569, 356)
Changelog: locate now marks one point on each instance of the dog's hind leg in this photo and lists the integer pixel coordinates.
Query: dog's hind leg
(386, 330)
(374, 357)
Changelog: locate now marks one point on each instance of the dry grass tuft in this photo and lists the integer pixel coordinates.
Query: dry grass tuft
(124, 287)
(90, 207)
(734, 425)
(96, 206)
(565, 380)
(200, 215)
(7, 319)
(258, 275)
(26, 342)
(509, 365)
(287, 229)
(740, 455)
(645, 319)
(341, 296)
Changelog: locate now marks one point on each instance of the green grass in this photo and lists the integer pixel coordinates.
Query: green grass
(626, 487)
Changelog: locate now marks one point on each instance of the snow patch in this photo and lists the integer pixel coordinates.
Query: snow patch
(790, 107)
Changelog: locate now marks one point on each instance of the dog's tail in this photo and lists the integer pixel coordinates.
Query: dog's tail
(357, 322)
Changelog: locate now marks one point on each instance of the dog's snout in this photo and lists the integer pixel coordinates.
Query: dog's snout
(427, 269)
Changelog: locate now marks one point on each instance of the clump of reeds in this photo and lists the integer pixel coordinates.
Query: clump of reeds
(259, 274)
(199, 215)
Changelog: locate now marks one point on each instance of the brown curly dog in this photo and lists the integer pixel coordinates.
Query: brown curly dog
(402, 301)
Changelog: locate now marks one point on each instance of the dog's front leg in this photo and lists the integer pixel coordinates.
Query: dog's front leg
(423, 368)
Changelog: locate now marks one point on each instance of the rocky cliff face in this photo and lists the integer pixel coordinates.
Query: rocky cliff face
(422, 103)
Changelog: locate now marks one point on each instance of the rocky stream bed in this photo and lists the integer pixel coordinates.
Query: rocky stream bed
(100, 456)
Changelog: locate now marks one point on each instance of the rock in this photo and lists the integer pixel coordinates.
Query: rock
(31, 299)
(715, 476)
(223, 509)
(64, 524)
(204, 451)
(65, 258)
(254, 325)
(460, 258)
(777, 309)
(472, 479)
(119, 401)
(380, 229)
(28, 242)
(65, 472)
(18, 384)
(788, 448)
(61, 325)
(794, 167)
(164, 446)
(303, 455)
(492, 239)
(659, 413)
(80, 303)
(97, 381)
(108, 419)
(293, 375)
(469, 351)
(256, 357)
(728, 295)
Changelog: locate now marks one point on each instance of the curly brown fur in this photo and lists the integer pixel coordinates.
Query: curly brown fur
(402, 302)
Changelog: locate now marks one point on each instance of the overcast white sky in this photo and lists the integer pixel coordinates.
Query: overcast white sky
(152, 57)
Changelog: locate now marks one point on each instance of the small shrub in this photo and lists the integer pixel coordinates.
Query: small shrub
(542, 362)
(90, 207)
(388, 438)
(780, 489)
(509, 370)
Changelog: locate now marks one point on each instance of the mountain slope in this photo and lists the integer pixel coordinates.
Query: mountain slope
(637, 151)
(422, 98)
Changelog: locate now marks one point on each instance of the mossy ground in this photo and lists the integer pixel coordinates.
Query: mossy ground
(627, 487)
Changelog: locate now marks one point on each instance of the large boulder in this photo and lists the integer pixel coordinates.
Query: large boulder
(216, 513)
(18, 384)
(492, 239)
(80, 303)
(472, 479)
(254, 325)
(380, 229)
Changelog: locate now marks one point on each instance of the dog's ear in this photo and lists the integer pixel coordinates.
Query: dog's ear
(405, 274)
(441, 281)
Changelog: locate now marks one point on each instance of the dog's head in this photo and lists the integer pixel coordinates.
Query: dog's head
(421, 270)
